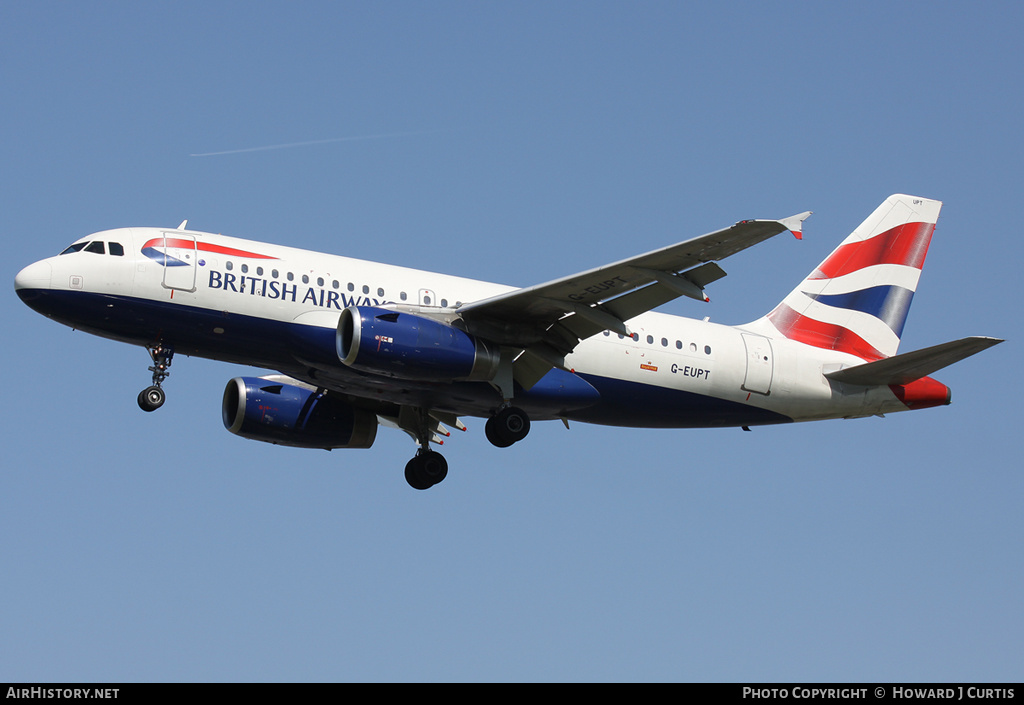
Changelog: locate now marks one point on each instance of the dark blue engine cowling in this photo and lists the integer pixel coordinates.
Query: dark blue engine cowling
(408, 346)
(284, 414)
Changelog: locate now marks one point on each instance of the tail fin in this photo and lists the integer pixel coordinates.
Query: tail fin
(857, 300)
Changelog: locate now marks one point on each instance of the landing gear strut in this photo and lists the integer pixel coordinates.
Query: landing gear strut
(510, 425)
(152, 398)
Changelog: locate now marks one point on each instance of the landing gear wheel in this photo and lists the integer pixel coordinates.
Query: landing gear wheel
(494, 435)
(425, 470)
(510, 425)
(151, 398)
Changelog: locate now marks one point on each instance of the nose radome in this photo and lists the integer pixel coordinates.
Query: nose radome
(34, 276)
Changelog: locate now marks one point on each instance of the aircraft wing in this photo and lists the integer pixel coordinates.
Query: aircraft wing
(548, 320)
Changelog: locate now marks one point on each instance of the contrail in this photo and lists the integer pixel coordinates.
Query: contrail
(289, 145)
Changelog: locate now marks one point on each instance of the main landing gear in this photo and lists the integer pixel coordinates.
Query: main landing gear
(510, 425)
(152, 398)
(426, 469)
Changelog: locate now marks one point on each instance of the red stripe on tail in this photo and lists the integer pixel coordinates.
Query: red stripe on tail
(906, 244)
(828, 336)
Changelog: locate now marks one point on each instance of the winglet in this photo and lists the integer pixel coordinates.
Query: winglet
(794, 224)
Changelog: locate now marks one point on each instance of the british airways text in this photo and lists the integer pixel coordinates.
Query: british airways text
(272, 289)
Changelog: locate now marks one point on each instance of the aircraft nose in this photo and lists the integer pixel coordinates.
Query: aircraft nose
(34, 276)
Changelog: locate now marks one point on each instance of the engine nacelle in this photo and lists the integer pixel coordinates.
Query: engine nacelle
(285, 414)
(412, 347)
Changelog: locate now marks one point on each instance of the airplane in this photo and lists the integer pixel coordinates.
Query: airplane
(355, 345)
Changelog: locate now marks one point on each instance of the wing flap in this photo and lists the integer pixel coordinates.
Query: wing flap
(529, 368)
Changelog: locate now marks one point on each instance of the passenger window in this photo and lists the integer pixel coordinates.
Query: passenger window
(116, 249)
(380, 293)
(319, 281)
(96, 247)
(366, 289)
(650, 340)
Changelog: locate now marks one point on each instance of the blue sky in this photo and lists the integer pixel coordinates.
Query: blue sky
(512, 142)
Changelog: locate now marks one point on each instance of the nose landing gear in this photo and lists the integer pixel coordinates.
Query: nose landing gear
(152, 398)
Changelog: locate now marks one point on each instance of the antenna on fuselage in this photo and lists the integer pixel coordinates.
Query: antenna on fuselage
(183, 224)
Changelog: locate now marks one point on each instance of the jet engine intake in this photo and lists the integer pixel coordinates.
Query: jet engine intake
(284, 414)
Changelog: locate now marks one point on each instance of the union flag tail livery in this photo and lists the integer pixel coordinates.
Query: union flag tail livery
(356, 345)
(857, 300)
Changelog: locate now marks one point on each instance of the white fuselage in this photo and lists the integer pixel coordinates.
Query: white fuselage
(744, 367)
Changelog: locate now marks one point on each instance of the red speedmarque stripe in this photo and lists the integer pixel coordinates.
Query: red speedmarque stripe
(203, 247)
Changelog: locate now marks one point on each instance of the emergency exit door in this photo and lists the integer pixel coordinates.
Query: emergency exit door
(760, 364)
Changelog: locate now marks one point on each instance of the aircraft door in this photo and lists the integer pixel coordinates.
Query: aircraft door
(179, 261)
(760, 364)
(427, 298)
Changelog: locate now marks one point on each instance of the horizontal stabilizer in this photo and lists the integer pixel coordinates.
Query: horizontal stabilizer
(905, 368)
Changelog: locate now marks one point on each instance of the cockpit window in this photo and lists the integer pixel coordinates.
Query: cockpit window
(116, 249)
(97, 247)
(74, 248)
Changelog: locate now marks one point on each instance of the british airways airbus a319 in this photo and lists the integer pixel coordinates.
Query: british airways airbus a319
(356, 345)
